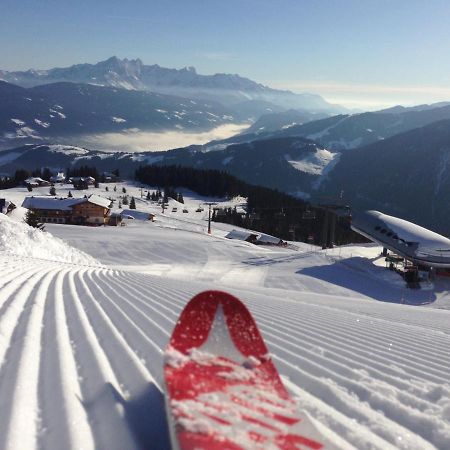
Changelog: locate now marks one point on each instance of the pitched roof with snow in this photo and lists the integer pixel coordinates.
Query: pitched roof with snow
(59, 177)
(240, 235)
(100, 201)
(268, 239)
(63, 204)
(36, 181)
(139, 215)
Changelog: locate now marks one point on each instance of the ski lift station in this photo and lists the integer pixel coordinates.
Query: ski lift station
(419, 247)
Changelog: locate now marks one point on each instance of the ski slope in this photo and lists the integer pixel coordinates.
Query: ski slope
(81, 340)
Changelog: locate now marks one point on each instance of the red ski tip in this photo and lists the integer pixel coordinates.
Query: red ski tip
(196, 320)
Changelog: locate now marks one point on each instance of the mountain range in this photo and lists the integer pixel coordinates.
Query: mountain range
(65, 105)
(228, 89)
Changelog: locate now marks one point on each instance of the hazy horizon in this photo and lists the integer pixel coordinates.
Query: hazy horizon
(365, 55)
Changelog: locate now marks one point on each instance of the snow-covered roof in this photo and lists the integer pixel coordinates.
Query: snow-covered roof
(58, 177)
(63, 204)
(405, 238)
(35, 180)
(140, 215)
(268, 239)
(240, 235)
(100, 201)
(89, 179)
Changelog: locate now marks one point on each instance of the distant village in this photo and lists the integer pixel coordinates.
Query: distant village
(96, 210)
(90, 210)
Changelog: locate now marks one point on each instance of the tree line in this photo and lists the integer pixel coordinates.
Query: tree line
(268, 210)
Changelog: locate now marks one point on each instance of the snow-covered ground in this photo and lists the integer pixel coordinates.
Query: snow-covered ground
(81, 342)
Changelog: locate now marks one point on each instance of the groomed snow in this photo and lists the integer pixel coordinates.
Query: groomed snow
(81, 349)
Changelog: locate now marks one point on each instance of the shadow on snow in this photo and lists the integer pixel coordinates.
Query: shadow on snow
(145, 415)
(368, 285)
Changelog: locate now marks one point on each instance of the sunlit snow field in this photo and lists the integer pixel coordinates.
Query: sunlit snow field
(82, 340)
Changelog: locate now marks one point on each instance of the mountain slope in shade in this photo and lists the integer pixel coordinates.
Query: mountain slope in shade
(407, 175)
(343, 132)
(69, 109)
(133, 74)
(275, 121)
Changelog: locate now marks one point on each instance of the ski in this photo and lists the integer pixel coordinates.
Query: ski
(222, 389)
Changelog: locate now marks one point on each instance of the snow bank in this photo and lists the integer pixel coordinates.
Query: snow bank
(23, 240)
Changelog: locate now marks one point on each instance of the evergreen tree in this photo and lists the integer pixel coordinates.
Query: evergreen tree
(21, 175)
(7, 182)
(32, 219)
(80, 185)
(132, 203)
(115, 188)
(124, 190)
(125, 200)
(148, 195)
(52, 191)
(46, 174)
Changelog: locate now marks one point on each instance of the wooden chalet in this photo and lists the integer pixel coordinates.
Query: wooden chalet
(92, 210)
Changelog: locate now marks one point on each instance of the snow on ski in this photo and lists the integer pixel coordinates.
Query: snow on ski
(223, 390)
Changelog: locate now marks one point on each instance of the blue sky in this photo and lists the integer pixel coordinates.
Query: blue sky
(361, 53)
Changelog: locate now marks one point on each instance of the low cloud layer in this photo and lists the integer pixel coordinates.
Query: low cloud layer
(135, 140)
(370, 96)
